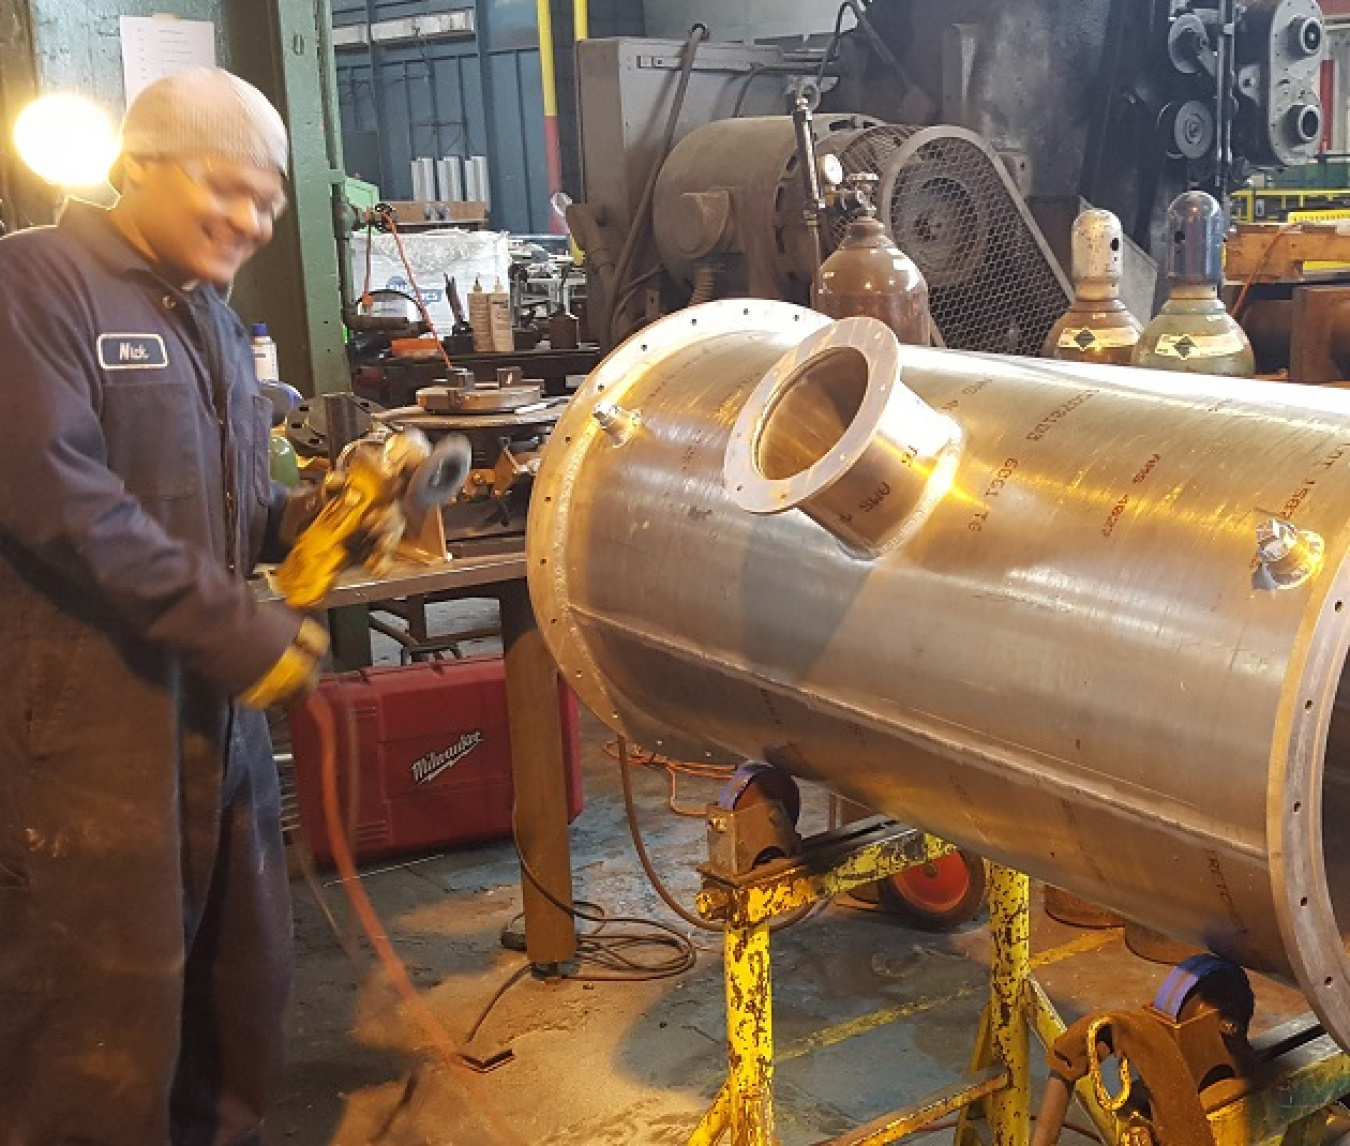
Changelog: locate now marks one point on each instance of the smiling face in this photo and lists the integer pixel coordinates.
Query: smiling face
(198, 219)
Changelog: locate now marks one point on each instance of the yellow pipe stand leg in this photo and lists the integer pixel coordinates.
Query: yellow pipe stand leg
(750, 1035)
(1010, 975)
(714, 1122)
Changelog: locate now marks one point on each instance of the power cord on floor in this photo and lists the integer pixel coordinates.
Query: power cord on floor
(604, 949)
(515, 977)
(614, 955)
(611, 952)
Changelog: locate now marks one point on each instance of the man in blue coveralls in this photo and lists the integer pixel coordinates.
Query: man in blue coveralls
(144, 914)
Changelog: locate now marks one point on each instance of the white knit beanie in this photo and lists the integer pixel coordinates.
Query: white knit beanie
(205, 111)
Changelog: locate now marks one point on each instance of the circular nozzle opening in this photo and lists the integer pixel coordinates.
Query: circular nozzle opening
(833, 431)
(817, 404)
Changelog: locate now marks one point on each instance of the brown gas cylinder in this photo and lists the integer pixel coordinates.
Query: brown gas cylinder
(869, 275)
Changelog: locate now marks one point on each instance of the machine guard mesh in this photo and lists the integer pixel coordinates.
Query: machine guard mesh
(952, 207)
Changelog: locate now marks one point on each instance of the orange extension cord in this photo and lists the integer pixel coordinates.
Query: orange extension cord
(433, 1030)
(391, 220)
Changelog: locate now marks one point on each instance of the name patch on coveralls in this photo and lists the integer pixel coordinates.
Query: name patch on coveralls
(132, 352)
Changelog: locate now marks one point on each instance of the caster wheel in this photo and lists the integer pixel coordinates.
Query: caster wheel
(937, 896)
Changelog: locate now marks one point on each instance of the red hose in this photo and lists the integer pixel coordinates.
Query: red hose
(432, 1029)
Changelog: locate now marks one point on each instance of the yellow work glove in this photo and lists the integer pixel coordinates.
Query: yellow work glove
(296, 672)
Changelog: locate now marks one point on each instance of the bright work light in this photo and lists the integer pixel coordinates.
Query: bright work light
(66, 139)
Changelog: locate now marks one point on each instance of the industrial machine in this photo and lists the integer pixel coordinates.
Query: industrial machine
(506, 422)
(1130, 105)
(1047, 611)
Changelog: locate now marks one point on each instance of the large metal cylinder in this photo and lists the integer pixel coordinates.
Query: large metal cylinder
(1099, 638)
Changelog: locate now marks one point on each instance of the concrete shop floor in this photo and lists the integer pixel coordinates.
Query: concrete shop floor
(868, 1015)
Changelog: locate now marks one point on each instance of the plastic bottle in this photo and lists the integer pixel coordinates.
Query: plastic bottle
(265, 354)
(480, 318)
(499, 312)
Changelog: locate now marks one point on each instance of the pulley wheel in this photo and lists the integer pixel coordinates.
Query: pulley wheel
(1192, 130)
(1187, 41)
(939, 895)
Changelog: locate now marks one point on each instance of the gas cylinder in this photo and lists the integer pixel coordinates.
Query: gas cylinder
(1193, 332)
(1096, 327)
(283, 462)
(869, 275)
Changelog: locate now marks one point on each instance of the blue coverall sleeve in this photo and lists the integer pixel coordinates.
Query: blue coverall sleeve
(72, 515)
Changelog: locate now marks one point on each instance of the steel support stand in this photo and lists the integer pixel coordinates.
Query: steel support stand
(1302, 1074)
(714, 1122)
(1003, 1041)
(837, 861)
(1009, 979)
(749, 1035)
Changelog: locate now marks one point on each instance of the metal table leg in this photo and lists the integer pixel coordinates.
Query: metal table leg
(349, 631)
(538, 772)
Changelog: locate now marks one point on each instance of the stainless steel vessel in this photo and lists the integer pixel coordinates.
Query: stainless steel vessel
(1086, 620)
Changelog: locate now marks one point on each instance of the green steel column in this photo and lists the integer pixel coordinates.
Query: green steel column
(284, 47)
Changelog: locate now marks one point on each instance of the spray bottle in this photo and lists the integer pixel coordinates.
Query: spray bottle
(265, 354)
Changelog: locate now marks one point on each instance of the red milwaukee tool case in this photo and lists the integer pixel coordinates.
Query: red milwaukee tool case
(435, 756)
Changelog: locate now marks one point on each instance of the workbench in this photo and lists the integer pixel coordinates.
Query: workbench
(492, 569)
